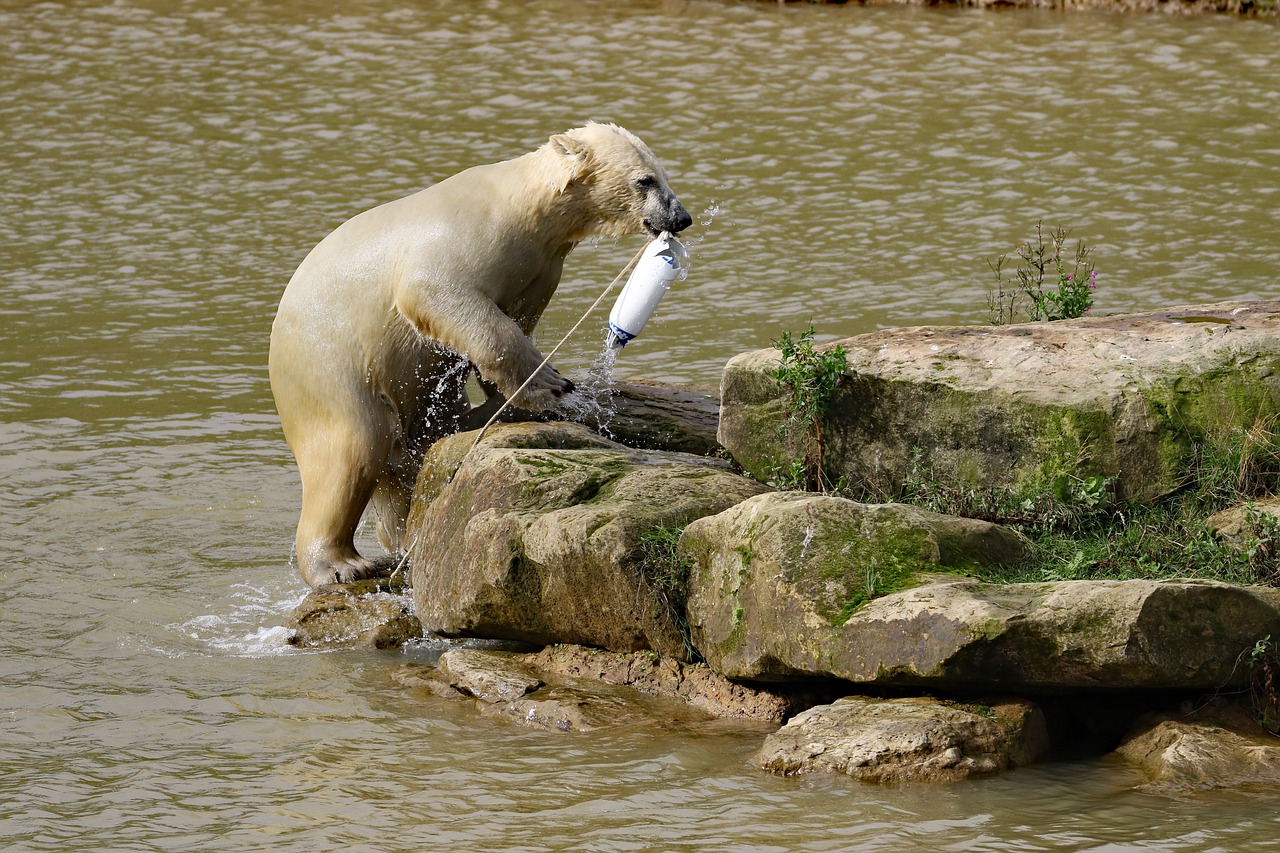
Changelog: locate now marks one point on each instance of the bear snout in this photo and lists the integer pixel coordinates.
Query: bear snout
(674, 219)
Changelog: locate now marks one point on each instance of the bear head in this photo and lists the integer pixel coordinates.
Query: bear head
(617, 184)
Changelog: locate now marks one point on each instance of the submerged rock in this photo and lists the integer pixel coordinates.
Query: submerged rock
(370, 614)
(1026, 409)
(908, 740)
(488, 676)
(540, 536)
(571, 709)
(571, 689)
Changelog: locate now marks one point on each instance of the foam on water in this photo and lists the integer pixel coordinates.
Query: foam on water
(249, 625)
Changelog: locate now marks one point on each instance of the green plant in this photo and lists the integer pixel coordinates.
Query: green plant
(809, 377)
(1028, 296)
(662, 565)
(1263, 661)
(667, 574)
(1078, 530)
(1063, 502)
(1240, 464)
(1262, 546)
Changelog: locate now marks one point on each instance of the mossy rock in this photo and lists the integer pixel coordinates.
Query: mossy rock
(1021, 409)
(777, 576)
(541, 541)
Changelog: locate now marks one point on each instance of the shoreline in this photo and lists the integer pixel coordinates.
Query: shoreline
(1240, 8)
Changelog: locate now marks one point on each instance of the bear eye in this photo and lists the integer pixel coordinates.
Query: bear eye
(647, 182)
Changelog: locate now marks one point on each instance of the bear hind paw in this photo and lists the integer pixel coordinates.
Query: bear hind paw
(345, 570)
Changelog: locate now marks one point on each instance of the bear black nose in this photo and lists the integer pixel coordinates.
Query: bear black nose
(679, 218)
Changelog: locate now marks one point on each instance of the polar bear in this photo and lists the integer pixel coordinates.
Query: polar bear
(378, 328)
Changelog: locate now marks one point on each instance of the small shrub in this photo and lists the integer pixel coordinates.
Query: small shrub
(809, 377)
(1027, 297)
(1264, 673)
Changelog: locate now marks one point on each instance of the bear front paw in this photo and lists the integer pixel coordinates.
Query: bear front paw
(545, 390)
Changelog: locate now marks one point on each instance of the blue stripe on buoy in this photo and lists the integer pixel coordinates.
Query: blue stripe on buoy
(618, 336)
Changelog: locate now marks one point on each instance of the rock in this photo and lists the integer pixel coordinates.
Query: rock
(907, 740)
(538, 537)
(428, 678)
(515, 687)
(644, 414)
(489, 676)
(1246, 522)
(775, 577)
(563, 709)
(659, 416)
(566, 708)
(1026, 409)
(1213, 747)
(371, 614)
(778, 592)
(664, 677)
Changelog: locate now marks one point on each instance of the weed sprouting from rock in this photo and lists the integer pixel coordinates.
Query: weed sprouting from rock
(809, 378)
(667, 574)
(1263, 661)
(1032, 294)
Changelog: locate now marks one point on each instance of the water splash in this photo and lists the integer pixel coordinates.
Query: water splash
(705, 218)
(592, 401)
(247, 622)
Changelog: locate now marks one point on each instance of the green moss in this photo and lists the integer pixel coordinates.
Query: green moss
(1067, 444)
(1206, 406)
(862, 564)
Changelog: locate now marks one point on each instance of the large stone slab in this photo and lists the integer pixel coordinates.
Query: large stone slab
(537, 536)
(1024, 408)
(773, 579)
(916, 739)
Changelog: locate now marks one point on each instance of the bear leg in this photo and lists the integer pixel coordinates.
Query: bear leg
(335, 492)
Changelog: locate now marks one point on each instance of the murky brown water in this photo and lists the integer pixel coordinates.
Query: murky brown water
(163, 168)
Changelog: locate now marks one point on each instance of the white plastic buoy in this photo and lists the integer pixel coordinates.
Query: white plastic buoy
(660, 264)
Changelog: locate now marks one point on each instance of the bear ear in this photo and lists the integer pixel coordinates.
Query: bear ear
(574, 154)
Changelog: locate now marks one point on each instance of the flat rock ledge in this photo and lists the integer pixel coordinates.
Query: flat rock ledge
(576, 689)
(918, 739)
(1020, 409)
